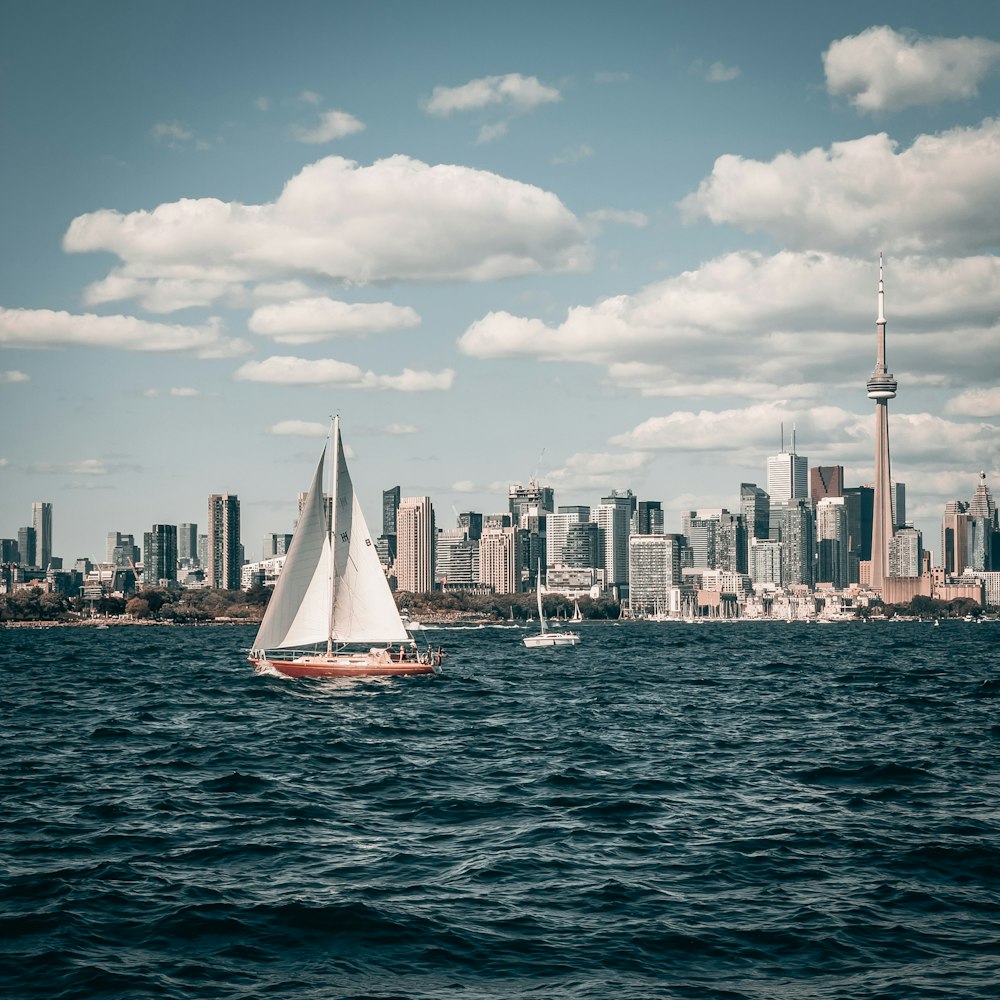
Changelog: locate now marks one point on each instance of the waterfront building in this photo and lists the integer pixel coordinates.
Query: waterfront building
(832, 541)
(613, 517)
(187, 544)
(225, 553)
(41, 520)
(499, 566)
(798, 533)
(860, 507)
(955, 530)
(826, 481)
(27, 546)
(881, 388)
(159, 547)
(755, 506)
(557, 526)
(648, 518)
(582, 547)
(456, 559)
(906, 552)
(415, 536)
(716, 538)
(654, 573)
(765, 562)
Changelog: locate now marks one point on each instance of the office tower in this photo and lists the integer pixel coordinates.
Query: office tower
(798, 533)
(955, 530)
(224, 553)
(415, 531)
(557, 526)
(613, 517)
(826, 481)
(897, 492)
(532, 544)
(765, 561)
(521, 498)
(648, 518)
(26, 545)
(501, 520)
(9, 551)
(41, 521)
(832, 541)
(787, 478)
(160, 555)
(390, 504)
(122, 551)
(472, 522)
(654, 571)
(881, 387)
(906, 552)
(755, 506)
(187, 544)
(860, 505)
(275, 545)
(984, 534)
(202, 550)
(581, 548)
(717, 539)
(456, 558)
(498, 560)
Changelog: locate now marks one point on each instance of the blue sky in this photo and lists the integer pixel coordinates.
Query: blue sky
(616, 246)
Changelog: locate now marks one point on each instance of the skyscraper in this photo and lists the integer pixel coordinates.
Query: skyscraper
(613, 516)
(415, 545)
(41, 519)
(787, 479)
(881, 388)
(187, 544)
(956, 528)
(499, 566)
(832, 541)
(160, 555)
(224, 554)
(27, 545)
(826, 481)
(654, 562)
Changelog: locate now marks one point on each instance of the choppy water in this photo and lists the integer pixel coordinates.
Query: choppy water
(713, 811)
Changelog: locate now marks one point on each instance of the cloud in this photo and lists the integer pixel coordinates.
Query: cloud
(596, 471)
(886, 70)
(522, 93)
(184, 392)
(299, 428)
(975, 403)
(171, 133)
(942, 194)
(332, 125)
(13, 375)
(329, 372)
(806, 320)
(398, 219)
(489, 133)
(89, 467)
(718, 72)
(37, 328)
(306, 321)
(400, 429)
(572, 154)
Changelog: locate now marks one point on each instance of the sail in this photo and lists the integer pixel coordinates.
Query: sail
(364, 609)
(299, 610)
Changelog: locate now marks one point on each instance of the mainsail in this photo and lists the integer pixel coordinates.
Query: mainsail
(332, 587)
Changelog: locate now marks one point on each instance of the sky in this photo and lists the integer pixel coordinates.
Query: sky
(607, 246)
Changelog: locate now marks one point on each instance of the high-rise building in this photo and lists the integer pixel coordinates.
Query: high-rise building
(456, 558)
(275, 545)
(798, 534)
(613, 517)
(472, 522)
(415, 531)
(225, 553)
(9, 552)
(956, 528)
(717, 539)
(832, 541)
(27, 545)
(826, 481)
(581, 548)
(984, 539)
(755, 506)
(187, 544)
(122, 552)
(654, 573)
(648, 518)
(787, 479)
(521, 498)
(906, 552)
(881, 387)
(898, 493)
(557, 527)
(765, 561)
(498, 560)
(41, 519)
(160, 555)
(390, 504)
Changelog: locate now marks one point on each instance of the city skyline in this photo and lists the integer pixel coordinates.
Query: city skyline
(605, 249)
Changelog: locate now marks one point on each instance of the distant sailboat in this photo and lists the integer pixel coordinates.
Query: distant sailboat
(545, 637)
(577, 617)
(332, 592)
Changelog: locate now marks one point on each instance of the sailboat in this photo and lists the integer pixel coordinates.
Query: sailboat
(577, 617)
(545, 637)
(332, 599)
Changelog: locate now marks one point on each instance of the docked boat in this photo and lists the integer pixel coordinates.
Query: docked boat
(547, 637)
(332, 613)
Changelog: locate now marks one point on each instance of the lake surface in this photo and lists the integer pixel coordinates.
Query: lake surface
(724, 810)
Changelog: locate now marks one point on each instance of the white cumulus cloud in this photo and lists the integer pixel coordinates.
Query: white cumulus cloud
(47, 328)
(332, 125)
(299, 428)
(941, 194)
(307, 320)
(330, 372)
(13, 376)
(398, 219)
(885, 70)
(975, 403)
(523, 93)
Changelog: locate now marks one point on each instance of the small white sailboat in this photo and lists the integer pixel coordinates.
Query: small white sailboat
(332, 596)
(577, 617)
(545, 637)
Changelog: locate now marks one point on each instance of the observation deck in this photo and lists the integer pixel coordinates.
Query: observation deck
(882, 385)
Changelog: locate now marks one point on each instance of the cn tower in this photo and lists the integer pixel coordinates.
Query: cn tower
(881, 388)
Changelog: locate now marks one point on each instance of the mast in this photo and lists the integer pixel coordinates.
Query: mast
(331, 530)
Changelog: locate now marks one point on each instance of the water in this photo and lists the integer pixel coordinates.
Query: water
(710, 811)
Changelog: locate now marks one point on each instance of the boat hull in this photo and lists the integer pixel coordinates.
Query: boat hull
(349, 665)
(551, 639)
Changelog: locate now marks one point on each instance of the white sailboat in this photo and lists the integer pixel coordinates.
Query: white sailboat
(545, 637)
(332, 599)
